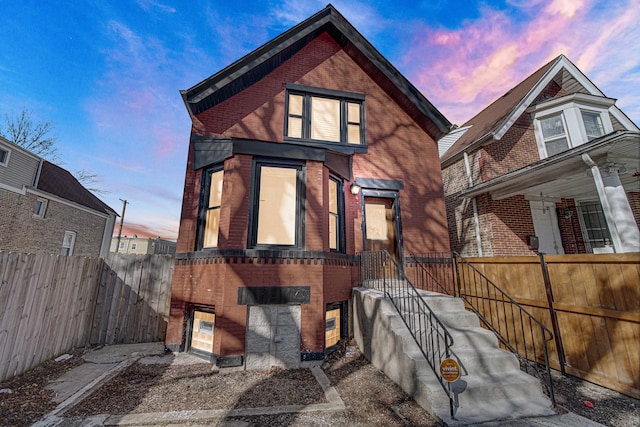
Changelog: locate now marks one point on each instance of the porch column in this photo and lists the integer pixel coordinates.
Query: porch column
(617, 211)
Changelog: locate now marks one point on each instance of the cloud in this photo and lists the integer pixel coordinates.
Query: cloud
(461, 71)
(150, 4)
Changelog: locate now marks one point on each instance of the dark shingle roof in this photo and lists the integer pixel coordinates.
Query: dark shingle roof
(492, 117)
(59, 182)
(257, 64)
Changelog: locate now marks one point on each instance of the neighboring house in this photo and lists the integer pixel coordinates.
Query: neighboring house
(143, 245)
(303, 153)
(552, 166)
(43, 208)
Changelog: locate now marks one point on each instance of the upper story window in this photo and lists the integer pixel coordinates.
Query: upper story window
(4, 156)
(569, 121)
(321, 115)
(554, 134)
(592, 124)
(134, 246)
(210, 208)
(39, 208)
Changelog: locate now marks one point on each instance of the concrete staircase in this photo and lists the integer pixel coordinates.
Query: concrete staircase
(491, 387)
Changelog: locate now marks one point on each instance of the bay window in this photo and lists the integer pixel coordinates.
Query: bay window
(210, 208)
(278, 205)
(569, 121)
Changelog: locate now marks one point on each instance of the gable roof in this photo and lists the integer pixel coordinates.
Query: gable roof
(496, 119)
(57, 181)
(257, 64)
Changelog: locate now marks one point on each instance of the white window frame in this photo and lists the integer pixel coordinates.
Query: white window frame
(134, 246)
(571, 108)
(40, 213)
(68, 243)
(585, 233)
(5, 162)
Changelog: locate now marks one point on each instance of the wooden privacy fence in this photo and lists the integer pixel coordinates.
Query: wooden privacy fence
(50, 304)
(591, 302)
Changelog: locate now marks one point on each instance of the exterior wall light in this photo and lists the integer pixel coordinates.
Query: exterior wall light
(355, 189)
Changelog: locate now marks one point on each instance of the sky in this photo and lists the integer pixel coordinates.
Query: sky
(107, 75)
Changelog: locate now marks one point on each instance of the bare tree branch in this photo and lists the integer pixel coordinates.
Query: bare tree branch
(34, 136)
(90, 181)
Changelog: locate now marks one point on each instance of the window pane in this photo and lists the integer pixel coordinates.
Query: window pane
(295, 105)
(215, 191)
(325, 119)
(333, 196)
(353, 112)
(211, 227)
(277, 206)
(295, 127)
(333, 231)
(353, 134)
(557, 146)
(552, 127)
(592, 124)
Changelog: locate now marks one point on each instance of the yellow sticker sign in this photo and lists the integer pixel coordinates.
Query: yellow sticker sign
(449, 370)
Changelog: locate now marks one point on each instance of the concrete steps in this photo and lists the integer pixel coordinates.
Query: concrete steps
(492, 386)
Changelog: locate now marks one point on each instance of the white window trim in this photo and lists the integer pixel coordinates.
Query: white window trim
(72, 244)
(5, 163)
(571, 111)
(43, 208)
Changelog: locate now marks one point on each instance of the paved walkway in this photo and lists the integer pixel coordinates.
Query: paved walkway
(103, 364)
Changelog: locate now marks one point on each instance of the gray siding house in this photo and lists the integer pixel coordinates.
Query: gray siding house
(44, 209)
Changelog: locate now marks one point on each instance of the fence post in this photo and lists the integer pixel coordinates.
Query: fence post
(456, 274)
(552, 312)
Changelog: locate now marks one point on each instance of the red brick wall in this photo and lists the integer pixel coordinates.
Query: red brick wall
(634, 202)
(569, 225)
(511, 225)
(399, 149)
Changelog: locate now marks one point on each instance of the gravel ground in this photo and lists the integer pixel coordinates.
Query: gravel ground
(369, 396)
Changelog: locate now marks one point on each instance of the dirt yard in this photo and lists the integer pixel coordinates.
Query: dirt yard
(371, 399)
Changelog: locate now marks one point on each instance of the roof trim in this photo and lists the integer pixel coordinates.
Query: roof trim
(237, 76)
(561, 62)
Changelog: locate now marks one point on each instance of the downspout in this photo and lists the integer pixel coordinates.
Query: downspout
(476, 220)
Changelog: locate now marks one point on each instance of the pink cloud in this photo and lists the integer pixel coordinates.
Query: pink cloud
(462, 71)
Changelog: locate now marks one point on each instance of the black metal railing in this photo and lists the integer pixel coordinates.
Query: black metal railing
(432, 272)
(518, 330)
(381, 272)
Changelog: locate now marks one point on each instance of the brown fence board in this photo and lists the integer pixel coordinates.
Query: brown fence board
(50, 304)
(597, 301)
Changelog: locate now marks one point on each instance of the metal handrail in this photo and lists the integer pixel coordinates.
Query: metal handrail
(380, 271)
(434, 282)
(515, 327)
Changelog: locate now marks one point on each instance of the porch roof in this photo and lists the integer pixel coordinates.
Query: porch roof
(565, 175)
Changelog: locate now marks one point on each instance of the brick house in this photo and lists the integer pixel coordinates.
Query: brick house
(44, 209)
(303, 153)
(551, 166)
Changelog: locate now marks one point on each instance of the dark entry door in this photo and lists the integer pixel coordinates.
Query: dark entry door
(381, 225)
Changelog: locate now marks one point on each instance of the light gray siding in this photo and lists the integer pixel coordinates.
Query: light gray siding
(20, 170)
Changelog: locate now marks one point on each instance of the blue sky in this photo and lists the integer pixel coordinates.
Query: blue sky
(108, 76)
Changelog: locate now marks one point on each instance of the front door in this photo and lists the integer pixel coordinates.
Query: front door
(273, 336)
(545, 224)
(381, 230)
